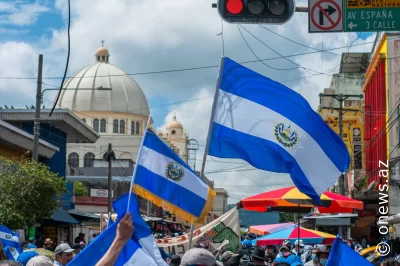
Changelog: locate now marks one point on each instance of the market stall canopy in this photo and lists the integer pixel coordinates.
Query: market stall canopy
(308, 236)
(63, 216)
(269, 228)
(290, 199)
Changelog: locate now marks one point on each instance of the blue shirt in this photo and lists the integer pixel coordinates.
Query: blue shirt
(32, 246)
(291, 259)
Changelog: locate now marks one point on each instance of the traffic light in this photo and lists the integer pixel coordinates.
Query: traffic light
(256, 11)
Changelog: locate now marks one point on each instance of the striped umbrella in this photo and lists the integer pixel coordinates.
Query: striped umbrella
(308, 236)
(269, 228)
(290, 199)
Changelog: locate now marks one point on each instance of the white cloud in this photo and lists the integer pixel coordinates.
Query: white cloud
(21, 14)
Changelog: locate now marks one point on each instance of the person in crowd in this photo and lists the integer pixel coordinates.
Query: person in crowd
(91, 238)
(32, 242)
(364, 241)
(306, 256)
(175, 261)
(125, 231)
(314, 259)
(322, 256)
(288, 244)
(198, 256)
(25, 256)
(9, 263)
(24, 245)
(40, 261)
(80, 238)
(298, 247)
(357, 246)
(82, 244)
(230, 259)
(63, 254)
(77, 249)
(48, 244)
(258, 256)
(247, 241)
(287, 256)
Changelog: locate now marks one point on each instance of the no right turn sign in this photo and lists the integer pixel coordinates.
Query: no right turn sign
(325, 16)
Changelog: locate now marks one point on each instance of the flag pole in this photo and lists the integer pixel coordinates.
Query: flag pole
(203, 165)
(137, 158)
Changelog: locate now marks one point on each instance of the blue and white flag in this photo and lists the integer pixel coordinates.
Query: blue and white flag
(140, 250)
(341, 254)
(166, 180)
(274, 128)
(10, 242)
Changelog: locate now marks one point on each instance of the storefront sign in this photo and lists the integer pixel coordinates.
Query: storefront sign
(100, 193)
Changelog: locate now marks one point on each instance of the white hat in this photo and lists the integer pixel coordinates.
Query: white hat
(40, 261)
(297, 243)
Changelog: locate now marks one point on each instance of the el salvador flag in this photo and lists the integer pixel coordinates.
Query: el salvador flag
(10, 242)
(341, 254)
(274, 128)
(166, 180)
(140, 250)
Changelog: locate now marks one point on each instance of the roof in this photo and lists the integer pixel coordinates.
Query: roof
(62, 216)
(10, 134)
(83, 214)
(120, 92)
(62, 119)
(354, 62)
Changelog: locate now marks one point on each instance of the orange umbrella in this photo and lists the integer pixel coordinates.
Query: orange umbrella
(269, 228)
(292, 200)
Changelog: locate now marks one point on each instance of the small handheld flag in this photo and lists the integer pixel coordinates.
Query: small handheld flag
(274, 128)
(163, 178)
(341, 254)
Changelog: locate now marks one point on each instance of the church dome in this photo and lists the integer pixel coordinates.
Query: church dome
(174, 124)
(103, 87)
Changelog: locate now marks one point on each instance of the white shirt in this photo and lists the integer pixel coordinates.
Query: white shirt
(311, 263)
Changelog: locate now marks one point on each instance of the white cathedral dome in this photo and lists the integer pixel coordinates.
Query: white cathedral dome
(103, 87)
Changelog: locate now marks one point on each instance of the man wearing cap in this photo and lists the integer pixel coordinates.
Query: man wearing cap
(298, 247)
(314, 259)
(63, 254)
(322, 256)
(230, 259)
(258, 256)
(286, 243)
(198, 256)
(288, 257)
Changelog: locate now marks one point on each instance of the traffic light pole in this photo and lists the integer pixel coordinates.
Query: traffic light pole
(340, 98)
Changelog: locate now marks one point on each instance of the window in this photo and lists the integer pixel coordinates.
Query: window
(98, 58)
(173, 132)
(84, 120)
(137, 128)
(104, 58)
(73, 161)
(103, 125)
(115, 126)
(96, 125)
(132, 128)
(88, 160)
(122, 126)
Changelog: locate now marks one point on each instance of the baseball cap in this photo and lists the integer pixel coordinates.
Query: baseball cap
(63, 248)
(286, 242)
(198, 256)
(40, 261)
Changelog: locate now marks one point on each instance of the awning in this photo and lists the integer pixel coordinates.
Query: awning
(83, 215)
(62, 216)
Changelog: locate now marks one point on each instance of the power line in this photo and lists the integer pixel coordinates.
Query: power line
(66, 66)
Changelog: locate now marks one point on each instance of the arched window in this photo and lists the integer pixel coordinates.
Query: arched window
(73, 159)
(115, 126)
(98, 58)
(132, 127)
(96, 125)
(103, 125)
(104, 58)
(122, 126)
(84, 120)
(137, 128)
(88, 160)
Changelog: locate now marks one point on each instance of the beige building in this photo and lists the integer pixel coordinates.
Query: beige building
(221, 202)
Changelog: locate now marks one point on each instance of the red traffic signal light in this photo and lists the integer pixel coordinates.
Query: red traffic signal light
(234, 6)
(256, 11)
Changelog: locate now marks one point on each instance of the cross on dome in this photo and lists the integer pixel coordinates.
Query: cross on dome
(102, 54)
(102, 43)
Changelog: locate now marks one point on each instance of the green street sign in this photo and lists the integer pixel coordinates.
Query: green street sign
(371, 15)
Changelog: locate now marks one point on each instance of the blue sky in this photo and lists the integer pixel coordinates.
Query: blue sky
(153, 35)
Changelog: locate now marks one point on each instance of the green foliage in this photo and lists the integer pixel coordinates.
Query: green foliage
(285, 217)
(80, 189)
(363, 182)
(29, 192)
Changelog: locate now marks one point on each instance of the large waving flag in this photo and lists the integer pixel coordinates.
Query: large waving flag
(274, 128)
(341, 254)
(166, 180)
(140, 250)
(10, 242)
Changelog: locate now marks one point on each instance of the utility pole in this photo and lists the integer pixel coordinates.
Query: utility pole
(109, 156)
(340, 98)
(36, 127)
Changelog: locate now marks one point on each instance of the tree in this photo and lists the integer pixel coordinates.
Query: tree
(29, 192)
(285, 217)
(80, 189)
